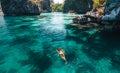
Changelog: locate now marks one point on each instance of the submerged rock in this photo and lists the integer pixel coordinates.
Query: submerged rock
(21, 7)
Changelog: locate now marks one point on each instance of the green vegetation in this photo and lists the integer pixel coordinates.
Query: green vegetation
(57, 7)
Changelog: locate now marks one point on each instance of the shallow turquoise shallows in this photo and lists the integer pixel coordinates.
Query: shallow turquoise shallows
(28, 45)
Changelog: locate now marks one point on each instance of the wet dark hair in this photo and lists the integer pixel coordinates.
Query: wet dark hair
(58, 48)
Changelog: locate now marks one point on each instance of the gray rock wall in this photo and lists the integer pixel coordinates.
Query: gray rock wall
(46, 6)
(21, 7)
(79, 6)
(0, 6)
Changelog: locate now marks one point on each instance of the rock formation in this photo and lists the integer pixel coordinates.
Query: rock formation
(0, 6)
(79, 6)
(46, 6)
(21, 7)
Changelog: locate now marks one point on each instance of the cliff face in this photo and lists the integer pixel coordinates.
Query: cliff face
(79, 6)
(46, 6)
(21, 7)
(0, 6)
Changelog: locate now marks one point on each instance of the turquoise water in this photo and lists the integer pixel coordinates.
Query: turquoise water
(28, 45)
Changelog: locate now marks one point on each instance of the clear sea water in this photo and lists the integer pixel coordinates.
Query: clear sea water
(28, 45)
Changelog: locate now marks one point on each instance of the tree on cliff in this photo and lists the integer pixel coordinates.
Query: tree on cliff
(57, 7)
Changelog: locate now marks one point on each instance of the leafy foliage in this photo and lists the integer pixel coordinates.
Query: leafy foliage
(57, 7)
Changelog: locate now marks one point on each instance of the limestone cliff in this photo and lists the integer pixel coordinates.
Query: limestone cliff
(0, 6)
(46, 6)
(79, 6)
(21, 7)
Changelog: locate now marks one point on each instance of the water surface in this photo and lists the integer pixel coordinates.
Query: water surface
(28, 45)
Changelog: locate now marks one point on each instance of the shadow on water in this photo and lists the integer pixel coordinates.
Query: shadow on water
(71, 56)
(21, 33)
(11, 71)
(107, 45)
(85, 67)
(26, 36)
(23, 40)
(78, 36)
(39, 62)
(97, 46)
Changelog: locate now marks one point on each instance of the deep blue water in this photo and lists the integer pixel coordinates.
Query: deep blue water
(28, 45)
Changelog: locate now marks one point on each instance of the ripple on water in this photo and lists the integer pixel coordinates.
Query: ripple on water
(53, 32)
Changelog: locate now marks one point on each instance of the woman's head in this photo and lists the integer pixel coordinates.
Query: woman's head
(59, 49)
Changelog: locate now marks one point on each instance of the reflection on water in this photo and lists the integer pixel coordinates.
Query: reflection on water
(28, 45)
